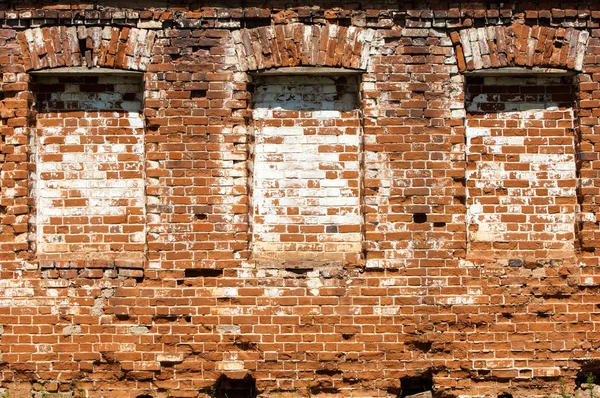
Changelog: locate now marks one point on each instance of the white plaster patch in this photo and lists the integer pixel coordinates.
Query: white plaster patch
(88, 187)
(306, 169)
(228, 329)
(456, 300)
(522, 173)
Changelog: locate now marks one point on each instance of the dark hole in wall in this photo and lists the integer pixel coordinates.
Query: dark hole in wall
(424, 346)
(299, 271)
(201, 216)
(344, 21)
(198, 93)
(505, 395)
(460, 181)
(168, 24)
(419, 218)
(415, 384)
(235, 388)
(590, 372)
(245, 345)
(329, 372)
(82, 46)
(202, 272)
(250, 23)
(144, 396)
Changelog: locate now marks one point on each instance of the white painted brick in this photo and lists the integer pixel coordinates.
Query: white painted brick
(299, 166)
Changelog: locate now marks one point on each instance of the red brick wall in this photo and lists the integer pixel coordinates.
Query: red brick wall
(306, 170)
(182, 307)
(521, 164)
(89, 177)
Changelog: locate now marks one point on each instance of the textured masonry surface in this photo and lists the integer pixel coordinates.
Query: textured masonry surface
(178, 214)
(306, 171)
(89, 177)
(521, 178)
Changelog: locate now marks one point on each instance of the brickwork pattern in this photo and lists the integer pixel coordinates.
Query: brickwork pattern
(67, 46)
(297, 44)
(89, 179)
(522, 171)
(306, 171)
(415, 302)
(520, 45)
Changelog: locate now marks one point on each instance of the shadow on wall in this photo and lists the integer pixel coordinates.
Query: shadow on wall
(235, 388)
(88, 93)
(589, 373)
(186, 4)
(306, 93)
(419, 386)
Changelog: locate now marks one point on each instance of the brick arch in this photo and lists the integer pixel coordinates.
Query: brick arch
(107, 47)
(296, 45)
(520, 46)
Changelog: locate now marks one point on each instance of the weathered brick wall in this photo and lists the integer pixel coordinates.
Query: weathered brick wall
(306, 185)
(389, 281)
(89, 178)
(521, 167)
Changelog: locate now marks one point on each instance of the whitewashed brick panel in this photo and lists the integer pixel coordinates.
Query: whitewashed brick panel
(521, 173)
(306, 177)
(89, 155)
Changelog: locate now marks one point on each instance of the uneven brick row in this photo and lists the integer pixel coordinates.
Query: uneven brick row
(109, 47)
(380, 14)
(520, 45)
(296, 45)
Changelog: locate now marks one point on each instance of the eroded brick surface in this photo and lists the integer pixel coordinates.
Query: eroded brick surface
(306, 170)
(89, 178)
(428, 284)
(522, 170)
(520, 45)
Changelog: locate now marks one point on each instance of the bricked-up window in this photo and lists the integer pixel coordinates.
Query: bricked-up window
(306, 174)
(89, 152)
(521, 175)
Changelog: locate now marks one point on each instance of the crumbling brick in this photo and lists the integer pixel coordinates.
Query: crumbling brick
(447, 232)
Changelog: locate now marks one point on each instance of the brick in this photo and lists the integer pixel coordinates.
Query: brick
(325, 234)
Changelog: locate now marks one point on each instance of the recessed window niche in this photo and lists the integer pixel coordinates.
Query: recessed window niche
(521, 168)
(88, 185)
(306, 169)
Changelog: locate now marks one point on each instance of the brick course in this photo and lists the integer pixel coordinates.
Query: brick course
(521, 177)
(166, 292)
(89, 177)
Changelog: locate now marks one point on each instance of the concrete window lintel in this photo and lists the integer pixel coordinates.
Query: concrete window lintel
(306, 71)
(83, 71)
(519, 71)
